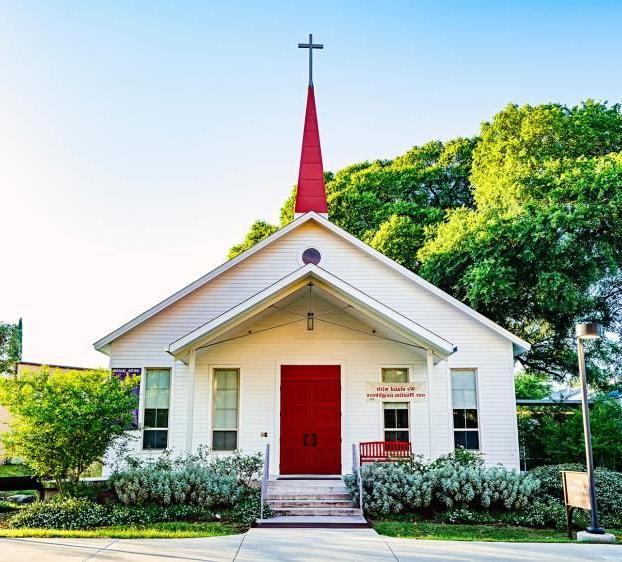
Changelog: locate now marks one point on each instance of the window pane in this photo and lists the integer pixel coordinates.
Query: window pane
(224, 440)
(155, 439)
(150, 418)
(460, 439)
(459, 421)
(472, 440)
(394, 375)
(392, 436)
(463, 380)
(226, 382)
(471, 418)
(157, 388)
(389, 417)
(402, 418)
(162, 418)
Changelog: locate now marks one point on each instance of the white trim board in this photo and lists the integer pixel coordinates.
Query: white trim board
(520, 345)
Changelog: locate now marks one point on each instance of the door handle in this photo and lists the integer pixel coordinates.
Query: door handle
(304, 440)
(314, 440)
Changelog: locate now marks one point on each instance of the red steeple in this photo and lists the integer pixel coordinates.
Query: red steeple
(310, 195)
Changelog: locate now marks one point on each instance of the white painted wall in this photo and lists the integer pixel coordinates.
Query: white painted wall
(478, 347)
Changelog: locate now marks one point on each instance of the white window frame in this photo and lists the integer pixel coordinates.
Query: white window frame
(409, 369)
(216, 368)
(475, 370)
(143, 404)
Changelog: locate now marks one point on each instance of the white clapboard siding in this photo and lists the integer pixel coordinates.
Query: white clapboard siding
(478, 347)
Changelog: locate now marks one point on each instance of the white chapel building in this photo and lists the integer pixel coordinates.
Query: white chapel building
(311, 341)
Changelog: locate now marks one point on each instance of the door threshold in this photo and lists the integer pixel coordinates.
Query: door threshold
(309, 477)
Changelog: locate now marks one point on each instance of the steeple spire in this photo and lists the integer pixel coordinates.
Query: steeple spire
(310, 194)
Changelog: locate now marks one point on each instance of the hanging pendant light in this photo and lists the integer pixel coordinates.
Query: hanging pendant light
(310, 320)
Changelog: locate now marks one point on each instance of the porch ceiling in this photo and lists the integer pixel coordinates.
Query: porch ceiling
(332, 294)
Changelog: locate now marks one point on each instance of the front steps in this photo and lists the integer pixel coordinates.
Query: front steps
(311, 502)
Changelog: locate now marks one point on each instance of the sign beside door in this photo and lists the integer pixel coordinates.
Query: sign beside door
(396, 391)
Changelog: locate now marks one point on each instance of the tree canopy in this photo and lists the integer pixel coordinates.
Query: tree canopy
(63, 421)
(522, 223)
(10, 346)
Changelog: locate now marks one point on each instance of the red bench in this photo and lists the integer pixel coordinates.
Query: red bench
(384, 451)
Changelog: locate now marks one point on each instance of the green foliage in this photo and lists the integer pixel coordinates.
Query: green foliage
(521, 223)
(204, 480)
(63, 421)
(608, 489)
(554, 434)
(532, 386)
(10, 346)
(62, 512)
(448, 483)
(390, 488)
(542, 248)
(258, 231)
(68, 512)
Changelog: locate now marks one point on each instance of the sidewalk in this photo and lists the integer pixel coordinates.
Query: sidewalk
(299, 545)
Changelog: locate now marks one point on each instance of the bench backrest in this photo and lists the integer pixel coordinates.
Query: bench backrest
(371, 451)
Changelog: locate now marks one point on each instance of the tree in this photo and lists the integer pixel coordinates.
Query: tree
(542, 248)
(10, 346)
(63, 421)
(522, 223)
(554, 434)
(258, 231)
(532, 386)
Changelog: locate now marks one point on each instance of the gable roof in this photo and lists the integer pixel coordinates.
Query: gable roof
(297, 280)
(520, 345)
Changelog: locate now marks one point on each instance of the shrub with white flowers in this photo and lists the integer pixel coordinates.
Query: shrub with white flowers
(456, 481)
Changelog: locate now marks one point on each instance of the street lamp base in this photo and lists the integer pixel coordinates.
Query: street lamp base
(586, 536)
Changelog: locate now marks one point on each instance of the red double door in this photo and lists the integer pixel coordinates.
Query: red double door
(310, 419)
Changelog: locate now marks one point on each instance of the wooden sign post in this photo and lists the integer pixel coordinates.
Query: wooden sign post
(576, 494)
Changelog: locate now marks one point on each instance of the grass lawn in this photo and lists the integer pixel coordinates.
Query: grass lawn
(173, 530)
(7, 470)
(445, 532)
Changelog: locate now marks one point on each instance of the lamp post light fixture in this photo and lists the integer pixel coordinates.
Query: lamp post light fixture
(588, 331)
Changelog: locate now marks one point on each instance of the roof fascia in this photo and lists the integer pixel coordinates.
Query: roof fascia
(290, 283)
(101, 343)
(520, 345)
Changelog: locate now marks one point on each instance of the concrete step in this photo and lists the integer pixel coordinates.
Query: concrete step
(306, 490)
(310, 522)
(309, 482)
(270, 496)
(317, 511)
(280, 504)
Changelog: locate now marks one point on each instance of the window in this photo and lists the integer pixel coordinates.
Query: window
(464, 397)
(155, 416)
(226, 386)
(395, 374)
(396, 414)
(396, 421)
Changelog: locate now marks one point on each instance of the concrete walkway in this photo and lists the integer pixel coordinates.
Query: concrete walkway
(298, 545)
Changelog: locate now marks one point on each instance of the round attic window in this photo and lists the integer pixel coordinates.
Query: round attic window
(311, 255)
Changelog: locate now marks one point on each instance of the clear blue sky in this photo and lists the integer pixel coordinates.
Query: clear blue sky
(138, 140)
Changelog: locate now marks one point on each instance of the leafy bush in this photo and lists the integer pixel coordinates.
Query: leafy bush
(65, 512)
(608, 489)
(392, 488)
(454, 481)
(62, 512)
(202, 479)
(480, 487)
(191, 484)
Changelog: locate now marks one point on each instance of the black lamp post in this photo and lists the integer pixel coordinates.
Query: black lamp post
(588, 331)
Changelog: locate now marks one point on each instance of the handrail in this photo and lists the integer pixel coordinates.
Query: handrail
(264, 479)
(356, 469)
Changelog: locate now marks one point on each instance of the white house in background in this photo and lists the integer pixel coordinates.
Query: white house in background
(290, 342)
